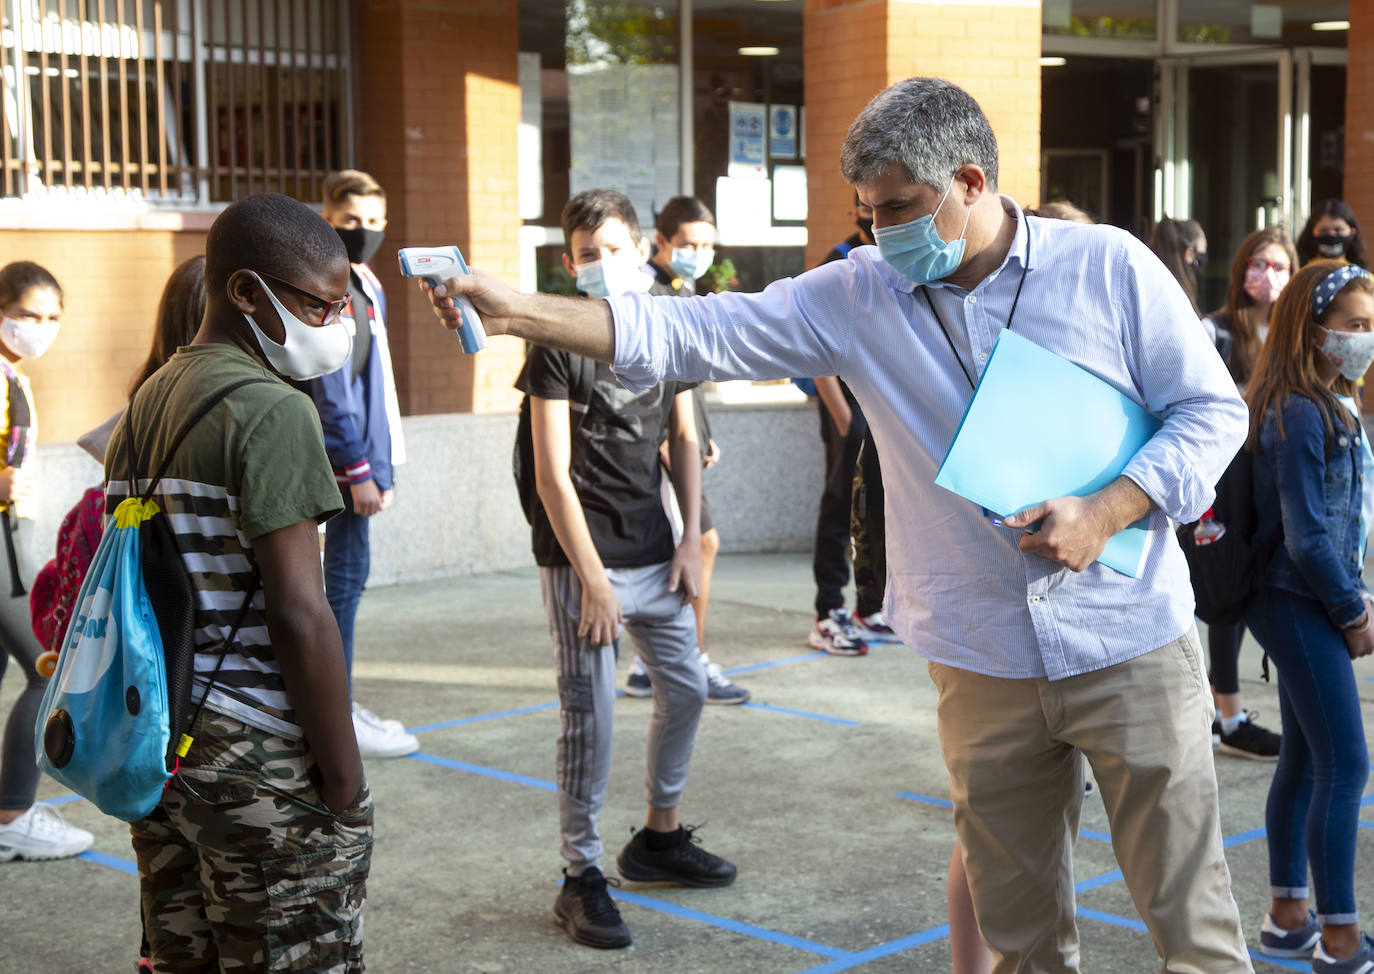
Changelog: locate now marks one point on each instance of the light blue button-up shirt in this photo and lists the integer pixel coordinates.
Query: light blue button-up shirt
(959, 589)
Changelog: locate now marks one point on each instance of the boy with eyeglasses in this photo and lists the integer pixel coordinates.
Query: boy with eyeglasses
(258, 854)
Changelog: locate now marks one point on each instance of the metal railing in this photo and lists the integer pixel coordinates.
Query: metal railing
(173, 102)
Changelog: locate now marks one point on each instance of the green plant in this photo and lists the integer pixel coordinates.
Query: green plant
(721, 277)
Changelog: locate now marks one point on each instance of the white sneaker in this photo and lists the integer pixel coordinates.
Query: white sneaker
(378, 741)
(42, 833)
(391, 726)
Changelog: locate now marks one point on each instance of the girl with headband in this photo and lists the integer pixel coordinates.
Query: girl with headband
(1313, 617)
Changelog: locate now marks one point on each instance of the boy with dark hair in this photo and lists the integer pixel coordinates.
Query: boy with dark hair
(684, 249)
(257, 857)
(605, 553)
(361, 419)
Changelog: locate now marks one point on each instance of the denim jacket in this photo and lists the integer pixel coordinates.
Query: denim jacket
(1313, 481)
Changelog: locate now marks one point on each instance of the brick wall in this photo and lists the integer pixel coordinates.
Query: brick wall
(112, 281)
(855, 48)
(439, 117)
(1359, 116)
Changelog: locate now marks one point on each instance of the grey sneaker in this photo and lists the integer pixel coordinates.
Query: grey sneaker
(588, 913)
(1361, 962)
(719, 689)
(1278, 942)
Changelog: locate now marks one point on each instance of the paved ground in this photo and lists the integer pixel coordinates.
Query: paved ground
(827, 791)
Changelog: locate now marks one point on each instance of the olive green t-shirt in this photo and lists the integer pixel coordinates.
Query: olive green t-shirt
(254, 464)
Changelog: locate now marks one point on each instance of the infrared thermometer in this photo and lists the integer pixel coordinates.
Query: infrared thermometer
(436, 265)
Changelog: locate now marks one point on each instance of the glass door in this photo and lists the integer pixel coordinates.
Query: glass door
(1244, 141)
(1225, 136)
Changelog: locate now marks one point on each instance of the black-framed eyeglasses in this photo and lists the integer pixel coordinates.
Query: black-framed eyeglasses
(332, 309)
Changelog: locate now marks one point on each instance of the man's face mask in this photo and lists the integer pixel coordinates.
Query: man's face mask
(309, 351)
(915, 250)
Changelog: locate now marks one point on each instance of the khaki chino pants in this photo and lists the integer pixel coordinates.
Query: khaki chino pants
(1015, 751)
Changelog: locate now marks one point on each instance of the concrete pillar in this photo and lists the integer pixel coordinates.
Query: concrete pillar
(438, 99)
(855, 48)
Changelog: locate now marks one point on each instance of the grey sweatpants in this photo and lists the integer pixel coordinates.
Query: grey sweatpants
(665, 636)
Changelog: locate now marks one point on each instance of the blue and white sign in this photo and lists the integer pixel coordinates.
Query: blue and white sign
(782, 132)
(748, 132)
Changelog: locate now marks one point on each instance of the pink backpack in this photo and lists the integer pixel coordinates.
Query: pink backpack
(59, 582)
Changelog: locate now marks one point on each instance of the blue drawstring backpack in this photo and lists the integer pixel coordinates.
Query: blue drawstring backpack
(120, 695)
(103, 727)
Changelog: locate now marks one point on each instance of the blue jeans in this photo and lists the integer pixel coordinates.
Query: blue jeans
(1314, 801)
(347, 561)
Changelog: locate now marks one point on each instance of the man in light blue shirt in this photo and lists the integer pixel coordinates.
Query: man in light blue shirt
(1041, 655)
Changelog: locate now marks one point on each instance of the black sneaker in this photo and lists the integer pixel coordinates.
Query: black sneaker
(588, 913)
(684, 863)
(1250, 740)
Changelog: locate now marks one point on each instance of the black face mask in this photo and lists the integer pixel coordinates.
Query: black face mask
(360, 242)
(1332, 244)
(1199, 263)
(865, 227)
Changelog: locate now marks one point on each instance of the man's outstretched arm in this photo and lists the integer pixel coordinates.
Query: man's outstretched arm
(572, 324)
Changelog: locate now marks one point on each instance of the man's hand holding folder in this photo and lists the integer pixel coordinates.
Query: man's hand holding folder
(1073, 531)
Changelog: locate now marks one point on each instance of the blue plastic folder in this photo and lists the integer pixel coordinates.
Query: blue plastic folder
(1039, 427)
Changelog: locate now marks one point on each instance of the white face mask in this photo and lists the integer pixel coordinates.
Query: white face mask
(611, 277)
(28, 339)
(309, 351)
(1351, 352)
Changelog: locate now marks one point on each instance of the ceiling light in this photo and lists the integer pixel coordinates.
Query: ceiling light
(1052, 62)
(759, 51)
(1331, 25)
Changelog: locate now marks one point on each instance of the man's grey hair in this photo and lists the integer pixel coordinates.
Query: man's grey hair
(927, 126)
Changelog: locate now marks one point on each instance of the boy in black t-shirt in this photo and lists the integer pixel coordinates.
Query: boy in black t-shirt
(605, 553)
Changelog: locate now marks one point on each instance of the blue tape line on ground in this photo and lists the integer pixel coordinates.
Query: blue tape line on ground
(114, 862)
(1117, 921)
(725, 923)
(911, 796)
(1095, 882)
(60, 800)
(1091, 834)
(844, 722)
(1292, 964)
(519, 779)
(1240, 838)
(1367, 799)
(1366, 825)
(750, 667)
(424, 728)
(862, 957)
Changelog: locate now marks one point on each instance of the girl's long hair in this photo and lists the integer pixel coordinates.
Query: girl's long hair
(1169, 241)
(1287, 364)
(178, 317)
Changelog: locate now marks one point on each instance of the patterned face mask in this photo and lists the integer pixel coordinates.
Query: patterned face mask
(1351, 352)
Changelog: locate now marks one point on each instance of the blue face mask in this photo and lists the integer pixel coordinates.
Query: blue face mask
(691, 264)
(612, 276)
(915, 250)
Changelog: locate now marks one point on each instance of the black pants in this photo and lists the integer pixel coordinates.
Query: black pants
(830, 563)
(868, 527)
(1223, 649)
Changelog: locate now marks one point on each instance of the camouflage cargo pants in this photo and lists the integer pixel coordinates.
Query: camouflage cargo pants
(243, 868)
